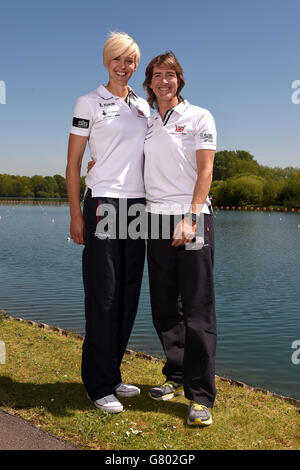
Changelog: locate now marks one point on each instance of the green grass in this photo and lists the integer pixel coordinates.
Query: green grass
(41, 383)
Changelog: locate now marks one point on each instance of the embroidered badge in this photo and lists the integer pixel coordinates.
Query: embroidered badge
(207, 137)
(82, 123)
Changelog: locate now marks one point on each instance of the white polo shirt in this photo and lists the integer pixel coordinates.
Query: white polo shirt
(170, 157)
(116, 132)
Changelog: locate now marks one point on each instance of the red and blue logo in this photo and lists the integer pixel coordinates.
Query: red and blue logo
(179, 128)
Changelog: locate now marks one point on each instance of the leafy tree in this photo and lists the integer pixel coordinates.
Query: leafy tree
(243, 167)
(217, 191)
(290, 194)
(243, 155)
(271, 190)
(240, 191)
(53, 190)
(238, 180)
(61, 184)
(26, 189)
(6, 186)
(229, 163)
(223, 160)
(40, 186)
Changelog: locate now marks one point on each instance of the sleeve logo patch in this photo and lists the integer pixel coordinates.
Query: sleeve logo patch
(207, 137)
(82, 123)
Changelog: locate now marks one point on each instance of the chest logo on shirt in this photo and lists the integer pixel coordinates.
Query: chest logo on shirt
(106, 104)
(110, 112)
(179, 130)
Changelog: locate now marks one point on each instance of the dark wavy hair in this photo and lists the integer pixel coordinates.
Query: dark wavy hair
(168, 60)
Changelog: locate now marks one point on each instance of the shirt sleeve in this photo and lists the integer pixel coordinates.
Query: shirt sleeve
(205, 132)
(82, 118)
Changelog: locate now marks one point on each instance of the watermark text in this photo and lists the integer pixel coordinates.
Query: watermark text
(135, 223)
(296, 353)
(2, 92)
(296, 94)
(2, 352)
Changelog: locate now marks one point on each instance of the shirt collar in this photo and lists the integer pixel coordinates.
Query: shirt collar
(179, 108)
(132, 93)
(107, 95)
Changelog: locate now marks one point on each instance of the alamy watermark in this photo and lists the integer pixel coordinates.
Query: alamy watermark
(296, 94)
(2, 352)
(2, 92)
(296, 353)
(134, 223)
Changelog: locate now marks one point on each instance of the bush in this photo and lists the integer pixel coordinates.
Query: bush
(240, 191)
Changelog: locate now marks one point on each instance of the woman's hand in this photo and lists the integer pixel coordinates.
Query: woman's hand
(184, 232)
(77, 229)
(91, 163)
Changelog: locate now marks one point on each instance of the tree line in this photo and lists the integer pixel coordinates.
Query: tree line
(238, 180)
(36, 187)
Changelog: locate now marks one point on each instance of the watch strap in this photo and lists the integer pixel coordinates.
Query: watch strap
(192, 216)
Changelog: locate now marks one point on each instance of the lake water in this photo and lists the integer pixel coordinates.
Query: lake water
(257, 282)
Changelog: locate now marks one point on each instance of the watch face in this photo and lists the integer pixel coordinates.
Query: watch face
(192, 216)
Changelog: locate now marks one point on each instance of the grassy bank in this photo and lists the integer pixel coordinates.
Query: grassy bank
(41, 383)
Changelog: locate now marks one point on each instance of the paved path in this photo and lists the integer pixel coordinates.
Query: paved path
(17, 434)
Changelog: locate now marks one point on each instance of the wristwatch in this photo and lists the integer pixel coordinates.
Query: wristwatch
(192, 216)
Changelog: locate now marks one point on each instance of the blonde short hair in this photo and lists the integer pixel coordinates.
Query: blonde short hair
(118, 44)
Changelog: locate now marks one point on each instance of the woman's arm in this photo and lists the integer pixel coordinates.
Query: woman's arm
(76, 150)
(205, 165)
(184, 231)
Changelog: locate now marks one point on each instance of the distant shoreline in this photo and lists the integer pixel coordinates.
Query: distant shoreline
(34, 202)
(55, 202)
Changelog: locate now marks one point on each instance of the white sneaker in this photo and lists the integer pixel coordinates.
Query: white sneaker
(126, 390)
(109, 403)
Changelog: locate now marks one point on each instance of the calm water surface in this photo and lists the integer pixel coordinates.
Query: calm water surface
(257, 280)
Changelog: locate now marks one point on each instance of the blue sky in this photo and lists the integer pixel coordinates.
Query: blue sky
(239, 59)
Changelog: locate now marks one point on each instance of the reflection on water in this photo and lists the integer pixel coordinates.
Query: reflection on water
(256, 278)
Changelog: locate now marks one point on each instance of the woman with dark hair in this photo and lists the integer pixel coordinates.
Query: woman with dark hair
(179, 154)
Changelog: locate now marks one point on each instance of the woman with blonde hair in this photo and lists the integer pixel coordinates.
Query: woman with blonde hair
(113, 120)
